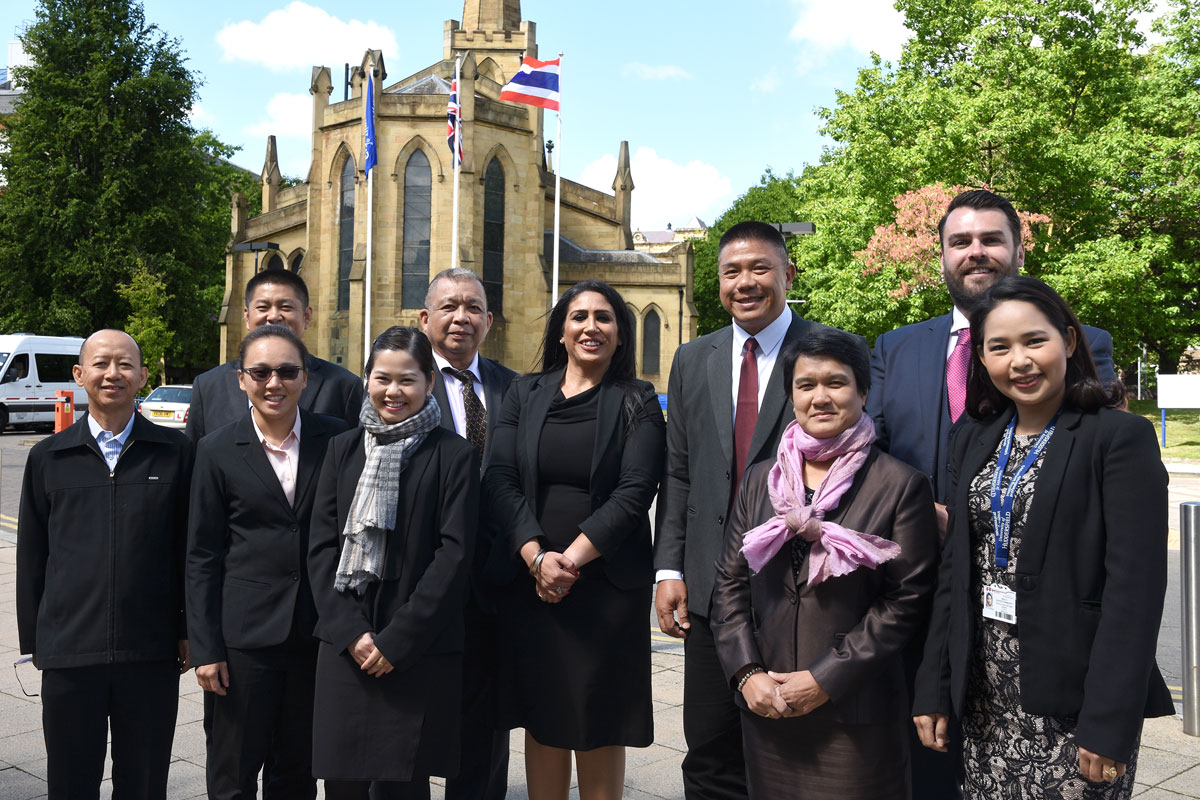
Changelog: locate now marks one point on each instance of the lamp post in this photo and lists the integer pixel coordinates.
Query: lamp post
(256, 248)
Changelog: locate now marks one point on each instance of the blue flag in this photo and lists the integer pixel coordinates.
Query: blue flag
(372, 156)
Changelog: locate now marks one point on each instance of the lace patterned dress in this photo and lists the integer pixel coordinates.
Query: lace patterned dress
(1007, 753)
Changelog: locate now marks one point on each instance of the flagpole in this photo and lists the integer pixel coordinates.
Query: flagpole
(557, 188)
(369, 110)
(457, 163)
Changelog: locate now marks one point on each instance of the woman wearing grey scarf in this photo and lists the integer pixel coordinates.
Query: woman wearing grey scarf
(393, 527)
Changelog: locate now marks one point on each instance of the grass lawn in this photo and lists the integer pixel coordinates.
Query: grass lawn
(1183, 428)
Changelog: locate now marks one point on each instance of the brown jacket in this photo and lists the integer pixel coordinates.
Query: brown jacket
(849, 631)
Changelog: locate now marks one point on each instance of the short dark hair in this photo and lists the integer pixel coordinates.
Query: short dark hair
(281, 277)
(1085, 390)
(455, 274)
(755, 231)
(411, 341)
(832, 343)
(273, 332)
(982, 199)
(138, 347)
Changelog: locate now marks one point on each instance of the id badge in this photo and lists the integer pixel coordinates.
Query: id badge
(1000, 603)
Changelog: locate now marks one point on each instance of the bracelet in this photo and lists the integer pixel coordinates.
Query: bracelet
(746, 677)
(537, 563)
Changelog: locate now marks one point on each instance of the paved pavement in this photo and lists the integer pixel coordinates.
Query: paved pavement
(1168, 766)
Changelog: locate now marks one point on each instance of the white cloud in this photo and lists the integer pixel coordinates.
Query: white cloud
(200, 115)
(655, 72)
(288, 115)
(665, 191)
(877, 26)
(302, 36)
(767, 82)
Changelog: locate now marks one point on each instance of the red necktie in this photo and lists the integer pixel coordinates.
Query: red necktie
(956, 374)
(746, 416)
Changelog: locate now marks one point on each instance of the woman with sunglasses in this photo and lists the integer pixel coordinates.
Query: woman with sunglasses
(393, 527)
(250, 612)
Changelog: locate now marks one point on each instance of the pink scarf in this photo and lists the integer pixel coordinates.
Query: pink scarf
(835, 550)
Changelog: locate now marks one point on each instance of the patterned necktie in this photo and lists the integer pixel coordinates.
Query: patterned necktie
(746, 416)
(956, 374)
(476, 417)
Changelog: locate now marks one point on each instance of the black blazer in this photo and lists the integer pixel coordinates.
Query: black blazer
(496, 378)
(849, 631)
(908, 393)
(247, 576)
(698, 482)
(417, 607)
(217, 399)
(624, 476)
(1090, 580)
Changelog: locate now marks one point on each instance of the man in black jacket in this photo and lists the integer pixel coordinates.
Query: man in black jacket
(273, 297)
(100, 546)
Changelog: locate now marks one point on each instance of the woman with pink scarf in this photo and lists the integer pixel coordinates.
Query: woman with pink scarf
(826, 572)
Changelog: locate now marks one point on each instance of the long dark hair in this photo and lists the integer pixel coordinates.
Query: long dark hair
(1085, 390)
(622, 371)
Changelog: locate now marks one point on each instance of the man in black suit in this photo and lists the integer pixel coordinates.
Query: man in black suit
(470, 389)
(274, 297)
(100, 581)
(726, 408)
(250, 610)
(912, 372)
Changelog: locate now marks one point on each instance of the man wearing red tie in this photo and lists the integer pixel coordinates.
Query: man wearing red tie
(919, 382)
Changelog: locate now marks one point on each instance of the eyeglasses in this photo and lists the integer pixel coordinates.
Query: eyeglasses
(286, 372)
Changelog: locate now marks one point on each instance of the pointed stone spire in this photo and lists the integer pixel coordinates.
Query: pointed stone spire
(491, 15)
(623, 190)
(271, 177)
(320, 89)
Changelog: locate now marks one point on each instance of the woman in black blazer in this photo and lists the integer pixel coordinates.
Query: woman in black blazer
(576, 459)
(1044, 648)
(392, 531)
(250, 612)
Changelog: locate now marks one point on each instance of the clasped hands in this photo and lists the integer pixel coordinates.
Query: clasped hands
(783, 694)
(555, 576)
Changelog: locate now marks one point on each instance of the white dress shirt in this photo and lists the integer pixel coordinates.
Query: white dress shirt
(458, 409)
(110, 444)
(284, 459)
(958, 321)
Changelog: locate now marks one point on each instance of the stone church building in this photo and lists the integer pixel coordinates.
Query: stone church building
(506, 210)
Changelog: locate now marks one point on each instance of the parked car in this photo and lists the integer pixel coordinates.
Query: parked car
(168, 405)
(32, 368)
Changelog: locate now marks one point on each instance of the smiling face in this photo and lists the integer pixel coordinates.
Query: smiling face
(396, 386)
(457, 320)
(275, 399)
(110, 371)
(754, 277)
(590, 333)
(977, 250)
(825, 395)
(1026, 358)
(277, 304)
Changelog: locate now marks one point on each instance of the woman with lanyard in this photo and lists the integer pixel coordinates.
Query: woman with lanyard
(393, 525)
(1051, 586)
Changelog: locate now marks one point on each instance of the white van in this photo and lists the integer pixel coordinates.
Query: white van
(33, 368)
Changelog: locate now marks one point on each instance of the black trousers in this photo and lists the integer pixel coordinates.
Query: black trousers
(483, 765)
(933, 775)
(714, 767)
(416, 789)
(266, 714)
(138, 701)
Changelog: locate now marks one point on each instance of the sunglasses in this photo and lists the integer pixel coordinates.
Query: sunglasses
(286, 372)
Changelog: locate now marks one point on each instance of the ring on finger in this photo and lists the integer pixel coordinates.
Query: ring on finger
(558, 590)
(1110, 772)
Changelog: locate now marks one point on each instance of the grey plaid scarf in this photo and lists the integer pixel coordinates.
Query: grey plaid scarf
(373, 510)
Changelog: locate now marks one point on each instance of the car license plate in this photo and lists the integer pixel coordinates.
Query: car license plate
(162, 413)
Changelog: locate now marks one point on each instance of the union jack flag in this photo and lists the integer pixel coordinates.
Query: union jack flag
(452, 112)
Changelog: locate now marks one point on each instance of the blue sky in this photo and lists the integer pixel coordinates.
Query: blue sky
(708, 98)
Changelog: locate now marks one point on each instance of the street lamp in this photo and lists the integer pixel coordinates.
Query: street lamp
(256, 248)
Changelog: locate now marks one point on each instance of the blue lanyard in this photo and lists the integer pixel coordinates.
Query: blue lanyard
(1002, 498)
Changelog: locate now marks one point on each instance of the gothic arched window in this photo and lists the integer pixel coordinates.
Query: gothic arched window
(651, 334)
(493, 236)
(418, 196)
(345, 235)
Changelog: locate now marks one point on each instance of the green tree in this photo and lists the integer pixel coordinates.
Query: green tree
(1056, 104)
(107, 178)
(146, 294)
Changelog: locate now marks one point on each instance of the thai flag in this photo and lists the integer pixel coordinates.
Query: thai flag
(452, 112)
(536, 84)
